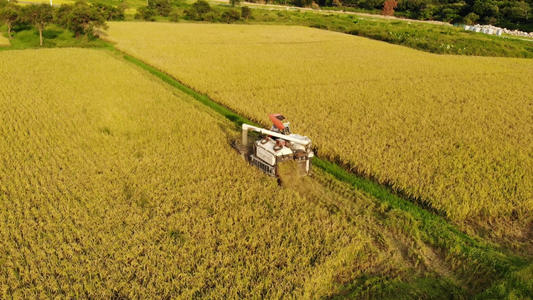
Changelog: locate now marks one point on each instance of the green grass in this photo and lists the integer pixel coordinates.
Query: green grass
(53, 36)
(519, 285)
(469, 256)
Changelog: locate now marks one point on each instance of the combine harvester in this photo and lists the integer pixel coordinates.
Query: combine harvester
(275, 146)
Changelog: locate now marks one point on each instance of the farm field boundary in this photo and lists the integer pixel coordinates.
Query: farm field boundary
(436, 230)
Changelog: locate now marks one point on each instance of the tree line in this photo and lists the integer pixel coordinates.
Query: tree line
(507, 13)
(81, 18)
(198, 11)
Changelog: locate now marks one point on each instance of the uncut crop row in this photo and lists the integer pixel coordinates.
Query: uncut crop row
(112, 186)
(453, 131)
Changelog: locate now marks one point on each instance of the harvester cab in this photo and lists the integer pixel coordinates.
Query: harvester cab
(275, 146)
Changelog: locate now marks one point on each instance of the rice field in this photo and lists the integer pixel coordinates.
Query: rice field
(455, 132)
(4, 41)
(115, 186)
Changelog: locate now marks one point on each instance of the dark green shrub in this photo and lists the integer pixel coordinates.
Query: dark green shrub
(174, 15)
(471, 18)
(231, 16)
(211, 16)
(160, 7)
(61, 15)
(234, 2)
(201, 7)
(200, 11)
(145, 13)
(246, 12)
(109, 12)
(83, 19)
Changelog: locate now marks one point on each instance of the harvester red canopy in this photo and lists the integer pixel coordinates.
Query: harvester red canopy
(277, 120)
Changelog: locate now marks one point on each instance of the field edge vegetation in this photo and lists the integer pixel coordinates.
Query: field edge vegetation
(433, 38)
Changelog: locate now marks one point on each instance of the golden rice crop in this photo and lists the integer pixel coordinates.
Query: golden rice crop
(455, 131)
(112, 185)
(4, 41)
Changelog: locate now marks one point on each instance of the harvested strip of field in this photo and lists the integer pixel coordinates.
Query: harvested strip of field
(114, 186)
(454, 131)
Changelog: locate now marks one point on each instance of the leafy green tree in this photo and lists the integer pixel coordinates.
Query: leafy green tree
(486, 9)
(449, 14)
(145, 13)
(160, 7)
(84, 19)
(110, 12)
(200, 10)
(302, 3)
(471, 18)
(412, 5)
(371, 4)
(9, 14)
(174, 15)
(427, 13)
(517, 11)
(201, 7)
(231, 16)
(61, 15)
(246, 12)
(39, 15)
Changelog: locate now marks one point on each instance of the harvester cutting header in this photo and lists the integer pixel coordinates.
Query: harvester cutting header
(275, 146)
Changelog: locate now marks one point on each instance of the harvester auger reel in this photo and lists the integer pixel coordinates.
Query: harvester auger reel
(275, 146)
